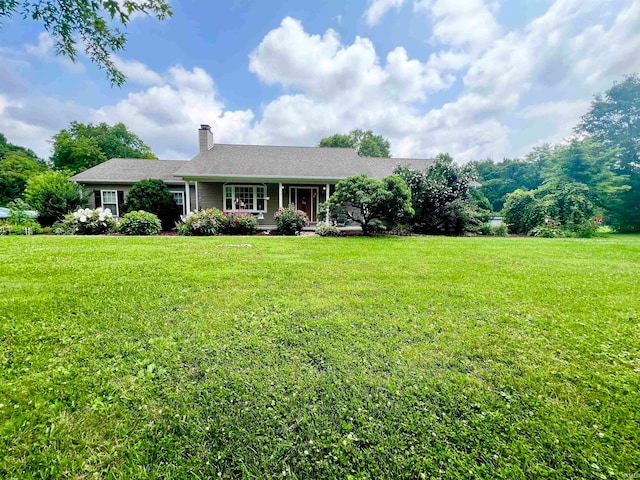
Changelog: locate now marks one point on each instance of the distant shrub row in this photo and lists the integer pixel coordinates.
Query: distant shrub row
(553, 210)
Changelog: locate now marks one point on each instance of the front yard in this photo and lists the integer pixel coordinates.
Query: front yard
(185, 357)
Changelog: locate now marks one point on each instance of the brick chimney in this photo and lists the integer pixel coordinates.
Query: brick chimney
(205, 137)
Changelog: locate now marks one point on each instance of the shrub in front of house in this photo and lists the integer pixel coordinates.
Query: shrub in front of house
(377, 226)
(402, 229)
(53, 196)
(153, 195)
(139, 223)
(203, 223)
(238, 223)
(86, 221)
(290, 221)
(326, 230)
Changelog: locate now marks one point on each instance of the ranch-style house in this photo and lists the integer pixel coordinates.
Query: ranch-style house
(258, 179)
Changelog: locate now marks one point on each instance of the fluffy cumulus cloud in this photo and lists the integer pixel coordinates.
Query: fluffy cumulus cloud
(166, 115)
(469, 23)
(378, 8)
(574, 49)
(136, 71)
(336, 86)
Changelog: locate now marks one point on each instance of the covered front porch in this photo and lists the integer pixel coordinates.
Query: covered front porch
(260, 198)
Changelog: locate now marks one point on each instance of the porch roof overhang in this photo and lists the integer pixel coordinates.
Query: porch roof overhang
(258, 179)
(121, 182)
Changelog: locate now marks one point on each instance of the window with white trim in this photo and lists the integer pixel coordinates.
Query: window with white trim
(178, 197)
(252, 198)
(110, 201)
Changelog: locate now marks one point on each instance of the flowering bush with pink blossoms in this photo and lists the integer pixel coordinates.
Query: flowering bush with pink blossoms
(290, 221)
(202, 223)
(214, 222)
(239, 223)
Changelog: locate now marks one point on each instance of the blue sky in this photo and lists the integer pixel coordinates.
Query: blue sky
(475, 78)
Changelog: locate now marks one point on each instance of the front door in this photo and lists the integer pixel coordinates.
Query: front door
(305, 201)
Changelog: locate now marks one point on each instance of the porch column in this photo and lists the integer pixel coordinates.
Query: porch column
(279, 195)
(187, 197)
(197, 198)
(327, 199)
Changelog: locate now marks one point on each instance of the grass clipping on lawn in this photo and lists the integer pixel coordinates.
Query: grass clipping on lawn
(362, 358)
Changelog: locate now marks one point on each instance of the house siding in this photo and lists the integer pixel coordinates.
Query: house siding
(124, 188)
(211, 195)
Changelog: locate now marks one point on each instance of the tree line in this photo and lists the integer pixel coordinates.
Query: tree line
(602, 161)
(564, 188)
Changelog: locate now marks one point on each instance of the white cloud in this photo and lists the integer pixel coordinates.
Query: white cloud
(166, 116)
(463, 22)
(378, 9)
(562, 108)
(44, 46)
(346, 86)
(136, 71)
(323, 67)
(44, 50)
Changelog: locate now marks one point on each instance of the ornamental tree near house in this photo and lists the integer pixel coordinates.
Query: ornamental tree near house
(440, 197)
(363, 199)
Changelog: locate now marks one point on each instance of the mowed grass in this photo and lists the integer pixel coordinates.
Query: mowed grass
(319, 358)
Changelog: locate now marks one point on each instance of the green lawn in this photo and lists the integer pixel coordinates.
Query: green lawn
(375, 358)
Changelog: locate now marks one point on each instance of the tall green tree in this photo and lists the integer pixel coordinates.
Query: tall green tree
(92, 23)
(369, 144)
(337, 141)
(53, 196)
(498, 179)
(81, 146)
(365, 143)
(614, 121)
(592, 164)
(7, 148)
(17, 165)
(15, 171)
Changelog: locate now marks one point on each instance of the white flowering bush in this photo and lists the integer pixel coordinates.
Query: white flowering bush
(326, 230)
(86, 221)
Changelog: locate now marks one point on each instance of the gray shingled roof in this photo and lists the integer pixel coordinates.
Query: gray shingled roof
(127, 170)
(288, 163)
(250, 162)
